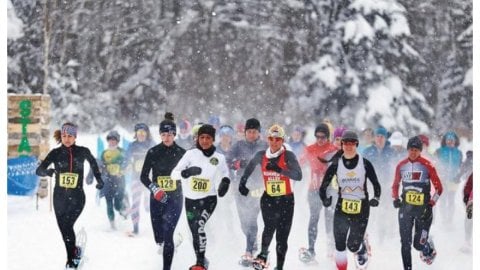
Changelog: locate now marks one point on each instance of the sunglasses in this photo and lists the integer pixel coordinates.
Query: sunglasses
(141, 132)
(349, 143)
(320, 137)
(275, 139)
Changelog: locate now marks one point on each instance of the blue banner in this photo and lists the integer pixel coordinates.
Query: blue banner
(21, 176)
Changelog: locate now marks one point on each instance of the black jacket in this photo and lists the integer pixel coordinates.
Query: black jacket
(161, 160)
(69, 160)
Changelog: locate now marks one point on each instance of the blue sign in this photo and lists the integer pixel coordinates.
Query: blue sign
(21, 176)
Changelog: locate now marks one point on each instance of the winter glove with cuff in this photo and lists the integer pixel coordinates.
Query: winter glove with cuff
(100, 184)
(397, 203)
(158, 193)
(191, 171)
(51, 171)
(272, 166)
(223, 187)
(374, 202)
(327, 201)
(242, 187)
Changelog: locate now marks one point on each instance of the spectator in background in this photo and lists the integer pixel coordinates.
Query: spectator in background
(248, 207)
(426, 143)
(330, 128)
(382, 156)
(337, 136)
(214, 120)
(184, 137)
(466, 167)
(135, 157)
(225, 133)
(324, 149)
(240, 131)
(366, 139)
(297, 140)
(449, 161)
(195, 133)
(397, 143)
(113, 163)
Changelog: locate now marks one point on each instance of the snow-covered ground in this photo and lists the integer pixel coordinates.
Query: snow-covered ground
(34, 241)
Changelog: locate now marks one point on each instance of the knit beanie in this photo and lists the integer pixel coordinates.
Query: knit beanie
(141, 126)
(113, 135)
(323, 128)
(424, 139)
(167, 125)
(207, 129)
(226, 130)
(338, 132)
(381, 131)
(252, 123)
(349, 135)
(415, 142)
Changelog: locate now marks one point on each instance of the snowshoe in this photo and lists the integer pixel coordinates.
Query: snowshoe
(428, 253)
(260, 262)
(81, 243)
(306, 255)
(246, 260)
(361, 257)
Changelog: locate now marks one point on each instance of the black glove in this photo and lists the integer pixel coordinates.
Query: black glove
(194, 170)
(397, 203)
(272, 166)
(99, 185)
(223, 187)
(374, 202)
(51, 171)
(242, 188)
(327, 201)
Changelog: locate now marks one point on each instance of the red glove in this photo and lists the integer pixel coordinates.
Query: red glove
(432, 203)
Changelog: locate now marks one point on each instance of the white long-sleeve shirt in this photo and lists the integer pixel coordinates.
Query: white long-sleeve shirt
(214, 168)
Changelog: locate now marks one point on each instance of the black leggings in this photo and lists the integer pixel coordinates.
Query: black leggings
(355, 223)
(198, 212)
(277, 213)
(68, 206)
(408, 217)
(164, 218)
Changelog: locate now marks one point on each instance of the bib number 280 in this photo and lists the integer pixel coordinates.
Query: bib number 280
(200, 184)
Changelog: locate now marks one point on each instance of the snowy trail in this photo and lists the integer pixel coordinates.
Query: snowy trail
(34, 241)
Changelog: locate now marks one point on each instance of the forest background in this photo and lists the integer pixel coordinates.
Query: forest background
(403, 64)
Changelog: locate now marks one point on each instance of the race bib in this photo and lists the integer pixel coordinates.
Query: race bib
(166, 183)
(113, 169)
(414, 197)
(276, 188)
(200, 184)
(68, 180)
(138, 165)
(351, 206)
